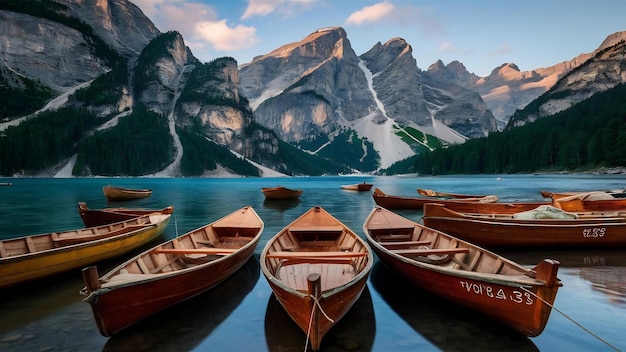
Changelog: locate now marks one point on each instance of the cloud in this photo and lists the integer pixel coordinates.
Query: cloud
(225, 38)
(199, 25)
(405, 16)
(284, 7)
(374, 13)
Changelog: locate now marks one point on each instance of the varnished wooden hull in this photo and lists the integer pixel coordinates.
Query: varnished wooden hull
(495, 286)
(335, 304)
(97, 217)
(400, 202)
(41, 263)
(118, 302)
(121, 194)
(578, 205)
(281, 193)
(500, 232)
(317, 252)
(431, 193)
(359, 187)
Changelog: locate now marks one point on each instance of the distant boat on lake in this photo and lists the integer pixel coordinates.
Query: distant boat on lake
(119, 193)
(281, 192)
(360, 187)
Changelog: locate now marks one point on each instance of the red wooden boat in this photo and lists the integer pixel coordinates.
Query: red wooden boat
(432, 193)
(464, 273)
(545, 226)
(171, 272)
(401, 202)
(359, 187)
(317, 268)
(281, 193)
(120, 194)
(97, 217)
(590, 201)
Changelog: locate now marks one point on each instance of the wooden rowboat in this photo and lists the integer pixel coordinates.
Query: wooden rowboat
(590, 201)
(97, 217)
(401, 202)
(171, 272)
(545, 226)
(556, 195)
(317, 268)
(432, 193)
(120, 194)
(359, 187)
(281, 192)
(37, 256)
(465, 273)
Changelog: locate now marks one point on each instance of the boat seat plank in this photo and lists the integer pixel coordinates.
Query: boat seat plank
(3, 251)
(318, 260)
(316, 229)
(208, 250)
(405, 243)
(430, 251)
(337, 254)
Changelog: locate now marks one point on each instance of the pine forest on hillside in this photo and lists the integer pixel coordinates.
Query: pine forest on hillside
(591, 134)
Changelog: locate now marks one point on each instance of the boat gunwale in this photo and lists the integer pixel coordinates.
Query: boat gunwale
(505, 280)
(87, 243)
(143, 278)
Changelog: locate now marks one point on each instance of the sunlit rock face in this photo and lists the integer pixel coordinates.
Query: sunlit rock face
(318, 86)
(602, 70)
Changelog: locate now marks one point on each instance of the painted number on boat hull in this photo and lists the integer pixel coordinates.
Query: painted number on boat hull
(486, 290)
(596, 232)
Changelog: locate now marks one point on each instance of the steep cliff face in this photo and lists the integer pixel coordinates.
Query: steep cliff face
(604, 69)
(303, 89)
(317, 88)
(43, 50)
(119, 22)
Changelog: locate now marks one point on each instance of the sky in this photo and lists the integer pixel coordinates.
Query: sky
(481, 34)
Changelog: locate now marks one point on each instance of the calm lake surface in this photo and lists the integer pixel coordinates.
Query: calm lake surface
(241, 313)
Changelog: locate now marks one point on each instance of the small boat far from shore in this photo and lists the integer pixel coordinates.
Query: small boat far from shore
(359, 187)
(281, 193)
(120, 194)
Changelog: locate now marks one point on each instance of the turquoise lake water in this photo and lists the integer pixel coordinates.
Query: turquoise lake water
(241, 314)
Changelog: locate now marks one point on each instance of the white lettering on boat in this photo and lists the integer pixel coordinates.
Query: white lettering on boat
(487, 290)
(596, 232)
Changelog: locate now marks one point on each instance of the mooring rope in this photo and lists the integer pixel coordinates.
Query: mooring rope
(308, 332)
(571, 319)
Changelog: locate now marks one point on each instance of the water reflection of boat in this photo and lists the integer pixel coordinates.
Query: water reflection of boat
(572, 258)
(354, 332)
(281, 205)
(184, 326)
(609, 280)
(446, 325)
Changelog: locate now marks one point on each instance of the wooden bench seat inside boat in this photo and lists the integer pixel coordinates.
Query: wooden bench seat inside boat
(207, 250)
(405, 244)
(313, 255)
(430, 251)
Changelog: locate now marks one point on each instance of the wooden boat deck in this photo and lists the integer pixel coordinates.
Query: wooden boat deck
(420, 244)
(332, 274)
